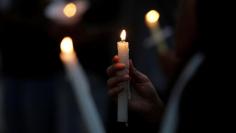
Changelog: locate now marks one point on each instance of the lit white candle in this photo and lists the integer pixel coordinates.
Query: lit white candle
(81, 88)
(151, 19)
(123, 53)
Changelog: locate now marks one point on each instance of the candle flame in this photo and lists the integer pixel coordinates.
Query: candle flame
(67, 45)
(123, 35)
(70, 10)
(152, 16)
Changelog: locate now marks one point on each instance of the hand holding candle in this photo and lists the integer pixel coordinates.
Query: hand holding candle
(123, 53)
(151, 19)
(81, 88)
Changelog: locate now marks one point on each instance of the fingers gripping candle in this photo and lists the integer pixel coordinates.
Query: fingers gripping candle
(123, 53)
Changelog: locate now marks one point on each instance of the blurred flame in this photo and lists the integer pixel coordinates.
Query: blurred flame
(152, 16)
(67, 45)
(70, 10)
(123, 35)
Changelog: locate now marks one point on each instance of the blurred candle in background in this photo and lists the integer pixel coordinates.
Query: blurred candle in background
(70, 10)
(151, 19)
(81, 88)
(66, 13)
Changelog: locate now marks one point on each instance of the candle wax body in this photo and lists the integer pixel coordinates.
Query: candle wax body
(123, 53)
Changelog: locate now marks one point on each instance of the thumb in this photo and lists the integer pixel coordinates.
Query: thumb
(136, 75)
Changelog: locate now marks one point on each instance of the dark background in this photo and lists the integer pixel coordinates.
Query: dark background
(37, 97)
